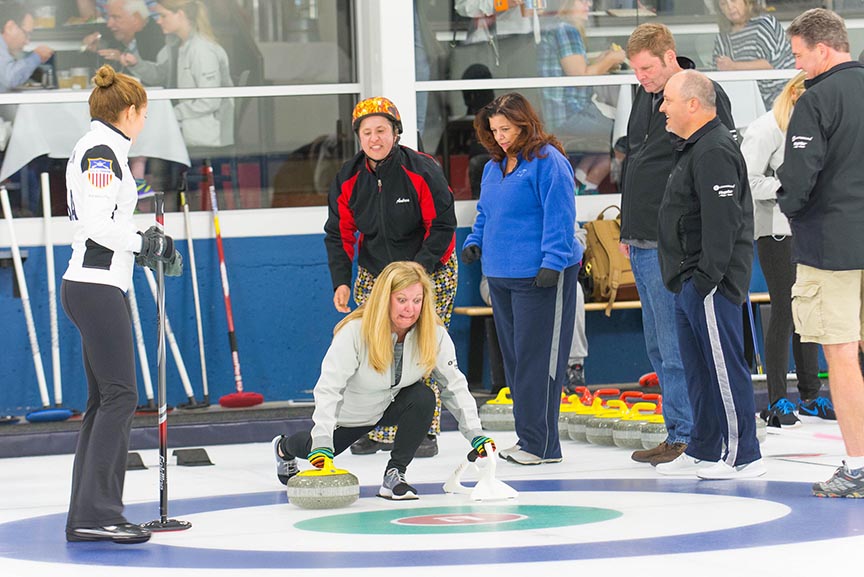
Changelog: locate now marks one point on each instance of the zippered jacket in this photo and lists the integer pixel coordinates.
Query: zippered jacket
(822, 175)
(350, 393)
(706, 217)
(649, 159)
(100, 198)
(403, 210)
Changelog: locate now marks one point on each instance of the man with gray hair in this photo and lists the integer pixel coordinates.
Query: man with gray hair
(706, 257)
(129, 29)
(822, 193)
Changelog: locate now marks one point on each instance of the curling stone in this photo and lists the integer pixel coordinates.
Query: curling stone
(653, 431)
(569, 405)
(497, 413)
(631, 397)
(577, 419)
(566, 419)
(325, 488)
(649, 380)
(626, 432)
(598, 430)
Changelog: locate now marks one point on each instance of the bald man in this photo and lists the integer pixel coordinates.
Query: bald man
(706, 257)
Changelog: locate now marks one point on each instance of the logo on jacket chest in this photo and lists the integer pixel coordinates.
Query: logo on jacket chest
(402, 200)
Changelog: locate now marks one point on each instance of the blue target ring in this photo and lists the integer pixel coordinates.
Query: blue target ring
(809, 519)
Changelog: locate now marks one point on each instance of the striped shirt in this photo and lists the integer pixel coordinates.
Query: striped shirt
(762, 38)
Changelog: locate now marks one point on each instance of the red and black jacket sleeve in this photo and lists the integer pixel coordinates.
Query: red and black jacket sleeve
(340, 230)
(437, 210)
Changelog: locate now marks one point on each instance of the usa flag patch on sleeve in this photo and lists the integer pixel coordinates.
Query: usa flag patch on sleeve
(100, 172)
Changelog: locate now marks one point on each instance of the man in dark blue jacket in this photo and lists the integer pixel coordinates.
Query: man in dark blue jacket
(648, 162)
(706, 257)
(822, 193)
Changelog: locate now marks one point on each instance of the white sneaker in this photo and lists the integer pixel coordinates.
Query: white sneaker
(684, 465)
(504, 453)
(525, 458)
(723, 470)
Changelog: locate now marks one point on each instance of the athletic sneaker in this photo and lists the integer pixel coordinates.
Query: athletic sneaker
(819, 407)
(124, 533)
(144, 190)
(521, 457)
(428, 448)
(684, 465)
(780, 414)
(723, 471)
(846, 482)
(504, 453)
(366, 446)
(575, 378)
(285, 468)
(395, 487)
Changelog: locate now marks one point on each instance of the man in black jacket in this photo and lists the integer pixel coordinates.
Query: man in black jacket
(648, 162)
(822, 193)
(706, 257)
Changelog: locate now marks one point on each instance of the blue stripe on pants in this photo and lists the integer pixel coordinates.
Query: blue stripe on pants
(535, 330)
(711, 338)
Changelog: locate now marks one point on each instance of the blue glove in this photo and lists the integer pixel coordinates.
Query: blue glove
(546, 277)
(317, 457)
(479, 444)
(471, 253)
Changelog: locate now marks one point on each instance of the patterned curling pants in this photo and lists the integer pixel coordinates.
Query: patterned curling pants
(444, 283)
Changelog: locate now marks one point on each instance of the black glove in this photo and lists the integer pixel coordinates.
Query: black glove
(155, 245)
(546, 277)
(470, 253)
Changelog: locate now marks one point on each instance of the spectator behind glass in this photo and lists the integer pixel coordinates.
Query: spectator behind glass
(15, 69)
(191, 58)
(569, 111)
(763, 148)
(750, 40)
(128, 29)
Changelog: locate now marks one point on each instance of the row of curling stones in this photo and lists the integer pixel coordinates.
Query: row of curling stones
(324, 488)
(574, 420)
(582, 405)
(624, 431)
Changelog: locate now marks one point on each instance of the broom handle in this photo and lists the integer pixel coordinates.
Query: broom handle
(226, 291)
(139, 341)
(161, 370)
(52, 289)
(195, 295)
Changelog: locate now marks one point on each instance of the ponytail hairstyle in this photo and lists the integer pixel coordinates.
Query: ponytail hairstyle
(114, 92)
(785, 101)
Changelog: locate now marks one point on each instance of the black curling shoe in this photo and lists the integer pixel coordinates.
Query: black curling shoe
(124, 533)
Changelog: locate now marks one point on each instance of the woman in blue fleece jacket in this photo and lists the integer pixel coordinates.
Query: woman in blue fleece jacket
(524, 237)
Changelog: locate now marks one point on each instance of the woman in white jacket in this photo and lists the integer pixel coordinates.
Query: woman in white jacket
(191, 58)
(763, 148)
(373, 375)
(101, 197)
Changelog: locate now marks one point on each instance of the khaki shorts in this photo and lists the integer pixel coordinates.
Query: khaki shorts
(827, 305)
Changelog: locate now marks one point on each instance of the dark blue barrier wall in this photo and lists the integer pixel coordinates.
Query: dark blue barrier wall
(283, 314)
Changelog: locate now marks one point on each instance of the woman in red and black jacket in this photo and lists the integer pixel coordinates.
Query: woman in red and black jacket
(393, 204)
